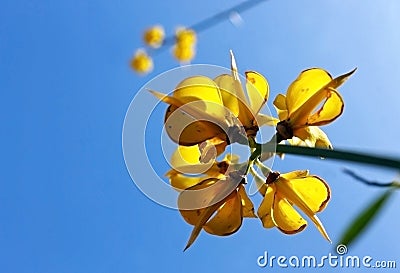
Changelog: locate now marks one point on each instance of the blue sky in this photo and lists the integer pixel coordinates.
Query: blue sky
(67, 202)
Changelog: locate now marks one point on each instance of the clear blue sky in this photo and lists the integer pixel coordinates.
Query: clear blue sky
(67, 202)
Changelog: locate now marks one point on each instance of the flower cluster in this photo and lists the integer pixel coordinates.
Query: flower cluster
(184, 48)
(207, 115)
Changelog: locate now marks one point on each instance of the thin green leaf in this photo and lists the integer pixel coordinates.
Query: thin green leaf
(358, 225)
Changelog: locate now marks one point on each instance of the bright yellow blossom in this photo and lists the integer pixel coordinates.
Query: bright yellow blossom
(185, 37)
(282, 192)
(141, 62)
(215, 205)
(215, 200)
(184, 53)
(154, 36)
(297, 112)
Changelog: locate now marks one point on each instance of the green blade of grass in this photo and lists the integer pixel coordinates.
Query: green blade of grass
(358, 225)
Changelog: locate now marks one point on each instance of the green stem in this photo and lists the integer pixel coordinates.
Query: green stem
(357, 177)
(393, 163)
(213, 20)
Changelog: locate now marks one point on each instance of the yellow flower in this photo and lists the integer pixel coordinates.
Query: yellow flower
(214, 200)
(184, 53)
(154, 36)
(185, 37)
(216, 111)
(141, 62)
(297, 112)
(215, 205)
(221, 218)
(281, 192)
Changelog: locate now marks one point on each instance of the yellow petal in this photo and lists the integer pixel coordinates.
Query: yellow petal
(330, 110)
(245, 115)
(280, 106)
(180, 181)
(184, 117)
(230, 99)
(313, 190)
(204, 92)
(228, 217)
(300, 116)
(185, 155)
(257, 90)
(203, 200)
(187, 130)
(185, 159)
(265, 208)
(295, 174)
(247, 205)
(191, 216)
(338, 81)
(308, 83)
(233, 98)
(285, 217)
(192, 106)
(266, 120)
(285, 189)
(313, 136)
(167, 99)
(203, 218)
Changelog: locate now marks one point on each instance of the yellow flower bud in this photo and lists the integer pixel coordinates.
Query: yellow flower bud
(141, 62)
(154, 36)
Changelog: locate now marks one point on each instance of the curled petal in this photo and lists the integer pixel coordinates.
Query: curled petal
(330, 110)
(311, 100)
(313, 190)
(257, 90)
(280, 106)
(247, 205)
(285, 217)
(265, 208)
(285, 189)
(228, 217)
